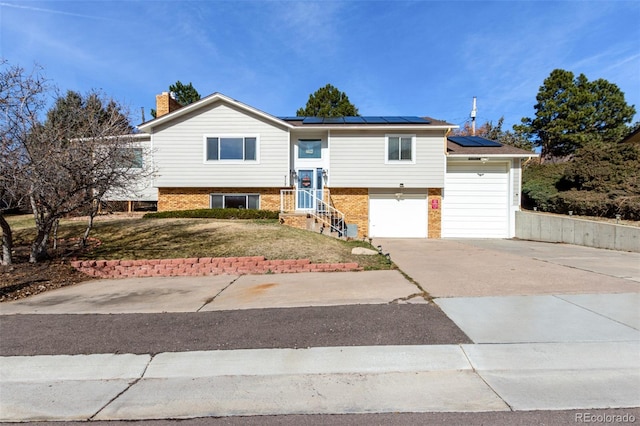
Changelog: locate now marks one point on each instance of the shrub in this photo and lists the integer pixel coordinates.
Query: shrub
(600, 180)
(215, 214)
(540, 185)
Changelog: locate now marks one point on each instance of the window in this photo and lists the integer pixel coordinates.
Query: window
(400, 148)
(235, 201)
(309, 148)
(236, 148)
(130, 158)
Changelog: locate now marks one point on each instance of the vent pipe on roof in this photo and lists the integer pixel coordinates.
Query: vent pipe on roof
(474, 112)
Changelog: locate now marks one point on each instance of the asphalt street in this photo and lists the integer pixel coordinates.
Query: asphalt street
(347, 325)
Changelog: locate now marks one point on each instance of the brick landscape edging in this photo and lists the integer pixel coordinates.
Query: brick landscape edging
(201, 266)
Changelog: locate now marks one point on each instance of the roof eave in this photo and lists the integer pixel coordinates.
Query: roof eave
(149, 125)
(467, 155)
(376, 127)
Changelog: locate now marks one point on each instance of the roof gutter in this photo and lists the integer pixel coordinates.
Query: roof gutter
(372, 127)
(462, 156)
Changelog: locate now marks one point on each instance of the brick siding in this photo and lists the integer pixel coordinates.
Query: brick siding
(435, 214)
(198, 198)
(354, 203)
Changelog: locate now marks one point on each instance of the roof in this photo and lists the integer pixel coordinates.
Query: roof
(387, 122)
(476, 145)
(633, 137)
(215, 97)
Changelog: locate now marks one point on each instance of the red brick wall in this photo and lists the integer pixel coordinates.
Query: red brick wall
(203, 266)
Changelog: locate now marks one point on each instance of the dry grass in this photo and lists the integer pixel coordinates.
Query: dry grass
(125, 237)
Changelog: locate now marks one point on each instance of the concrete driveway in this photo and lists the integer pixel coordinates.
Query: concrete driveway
(509, 291)
(472, 268)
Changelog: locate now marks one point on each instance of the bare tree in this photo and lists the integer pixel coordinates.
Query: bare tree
(22, 100)
(65, 162)
(83, 150)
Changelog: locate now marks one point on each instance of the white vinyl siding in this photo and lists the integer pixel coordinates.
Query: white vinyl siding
(516, 180)
(359, 160)
(141, 189)
(180, 147)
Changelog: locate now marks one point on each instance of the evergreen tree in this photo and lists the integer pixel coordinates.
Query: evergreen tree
(184, 94)
(572, 112)
(328, 101)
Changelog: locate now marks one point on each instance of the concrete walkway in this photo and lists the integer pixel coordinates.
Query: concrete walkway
(547, 336)
(220, 292)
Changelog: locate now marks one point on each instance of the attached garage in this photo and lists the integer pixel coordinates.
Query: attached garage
(475, 202)
(398, 215)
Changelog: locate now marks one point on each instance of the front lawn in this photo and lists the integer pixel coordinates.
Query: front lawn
(124, 237)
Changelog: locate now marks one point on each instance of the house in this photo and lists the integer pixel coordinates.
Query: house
(142, 191)
(363, 176)
(633, 137)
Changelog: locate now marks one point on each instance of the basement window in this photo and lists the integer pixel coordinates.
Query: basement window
(235, 201)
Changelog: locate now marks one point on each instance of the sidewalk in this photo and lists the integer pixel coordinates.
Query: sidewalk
(466, 378)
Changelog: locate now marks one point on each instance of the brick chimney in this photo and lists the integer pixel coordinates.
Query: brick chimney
(165, 104)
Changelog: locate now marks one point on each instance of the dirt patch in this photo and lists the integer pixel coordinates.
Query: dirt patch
(25, 279)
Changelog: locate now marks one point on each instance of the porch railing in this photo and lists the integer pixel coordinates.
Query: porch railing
(316, 203)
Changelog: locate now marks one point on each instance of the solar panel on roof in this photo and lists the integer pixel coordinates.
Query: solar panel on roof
(396, 120)
(291, 118)
(374, 120)
(354, 120)
(473, 141)
(334, 120)
(313, 120)
(416, 120)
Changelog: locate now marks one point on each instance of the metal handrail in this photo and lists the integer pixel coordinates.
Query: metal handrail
(323, 211)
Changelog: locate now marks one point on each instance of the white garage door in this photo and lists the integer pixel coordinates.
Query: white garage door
(476, 201)
(398, 218)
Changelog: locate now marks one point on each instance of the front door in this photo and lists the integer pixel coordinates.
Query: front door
(309, 188)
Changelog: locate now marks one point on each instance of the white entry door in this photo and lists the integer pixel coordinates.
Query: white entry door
(392, 216)
(476, 201)
(309, 188)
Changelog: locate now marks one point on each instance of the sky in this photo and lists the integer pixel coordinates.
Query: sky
(417, 58)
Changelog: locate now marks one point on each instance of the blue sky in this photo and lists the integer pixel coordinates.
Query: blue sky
(426, 58)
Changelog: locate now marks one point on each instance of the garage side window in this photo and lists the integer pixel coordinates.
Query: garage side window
(400, 149)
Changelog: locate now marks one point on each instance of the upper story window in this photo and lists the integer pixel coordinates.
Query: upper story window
(234, 148)
(400, 148)
(308, 148)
